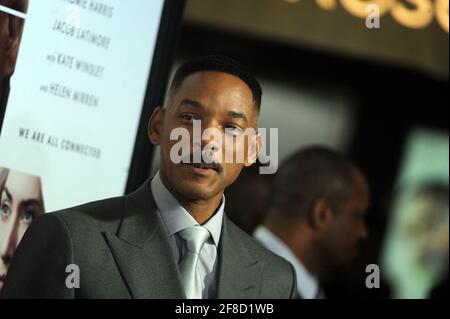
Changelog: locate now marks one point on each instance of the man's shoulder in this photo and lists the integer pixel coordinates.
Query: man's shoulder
(98, 214)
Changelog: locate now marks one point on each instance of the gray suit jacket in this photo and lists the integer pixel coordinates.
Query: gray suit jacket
(122, 250)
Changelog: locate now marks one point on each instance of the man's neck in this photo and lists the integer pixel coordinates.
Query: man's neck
(201, 210)
(298, 242)
(305, 253)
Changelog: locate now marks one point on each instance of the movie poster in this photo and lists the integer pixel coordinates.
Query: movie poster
(73, 78)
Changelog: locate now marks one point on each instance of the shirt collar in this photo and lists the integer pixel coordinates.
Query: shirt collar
(307, 284)
(177, 218)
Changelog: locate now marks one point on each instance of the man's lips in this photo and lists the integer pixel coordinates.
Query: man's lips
(203, 169)
(205, 166)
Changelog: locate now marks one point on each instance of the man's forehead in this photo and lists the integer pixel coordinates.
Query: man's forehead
(216, 82)
(361, 194)
(211, 89)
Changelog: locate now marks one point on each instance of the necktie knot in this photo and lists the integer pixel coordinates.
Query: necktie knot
(195, 237)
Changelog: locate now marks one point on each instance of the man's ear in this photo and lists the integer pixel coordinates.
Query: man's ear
(154, 127)
(321, 215)
(15, 28)
(254, 149)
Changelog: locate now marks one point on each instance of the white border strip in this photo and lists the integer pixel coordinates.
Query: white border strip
(13, 12)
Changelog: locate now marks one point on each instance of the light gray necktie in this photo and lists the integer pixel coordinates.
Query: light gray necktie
(195, 237)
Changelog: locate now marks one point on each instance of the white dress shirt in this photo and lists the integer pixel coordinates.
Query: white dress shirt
(176, 218)
(307, 284)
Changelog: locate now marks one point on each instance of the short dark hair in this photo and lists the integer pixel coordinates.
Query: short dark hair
(312, 173)
(221, 64)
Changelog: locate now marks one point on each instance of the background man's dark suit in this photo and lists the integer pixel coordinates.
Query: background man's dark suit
(123, 251)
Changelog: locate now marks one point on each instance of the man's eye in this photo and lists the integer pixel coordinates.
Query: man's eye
(5, 210)
(188, 117)
(28, 217)
(233, 130)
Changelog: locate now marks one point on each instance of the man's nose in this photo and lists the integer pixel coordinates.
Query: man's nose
(211, 138)
(211, 145)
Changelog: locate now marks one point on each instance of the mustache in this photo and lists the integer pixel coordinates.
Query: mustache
(189, 159)
(215, 166)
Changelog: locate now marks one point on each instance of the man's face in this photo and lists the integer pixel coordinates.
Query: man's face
(220, 101)
(349, 226)
(20, 203)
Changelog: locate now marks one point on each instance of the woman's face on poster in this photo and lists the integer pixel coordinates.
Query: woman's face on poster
(20, 203)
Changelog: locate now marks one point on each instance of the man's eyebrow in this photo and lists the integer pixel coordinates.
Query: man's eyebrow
(8, 194)
(192, 103)
(198, 105)
(237, 115)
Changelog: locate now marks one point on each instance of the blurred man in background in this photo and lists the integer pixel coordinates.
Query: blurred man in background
(316, 216)
(250, 194)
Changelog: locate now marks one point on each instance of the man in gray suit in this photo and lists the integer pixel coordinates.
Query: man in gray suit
(170, 238)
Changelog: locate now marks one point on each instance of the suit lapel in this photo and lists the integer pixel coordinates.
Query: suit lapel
(143, 254)
(142, 250)
(239, 273)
